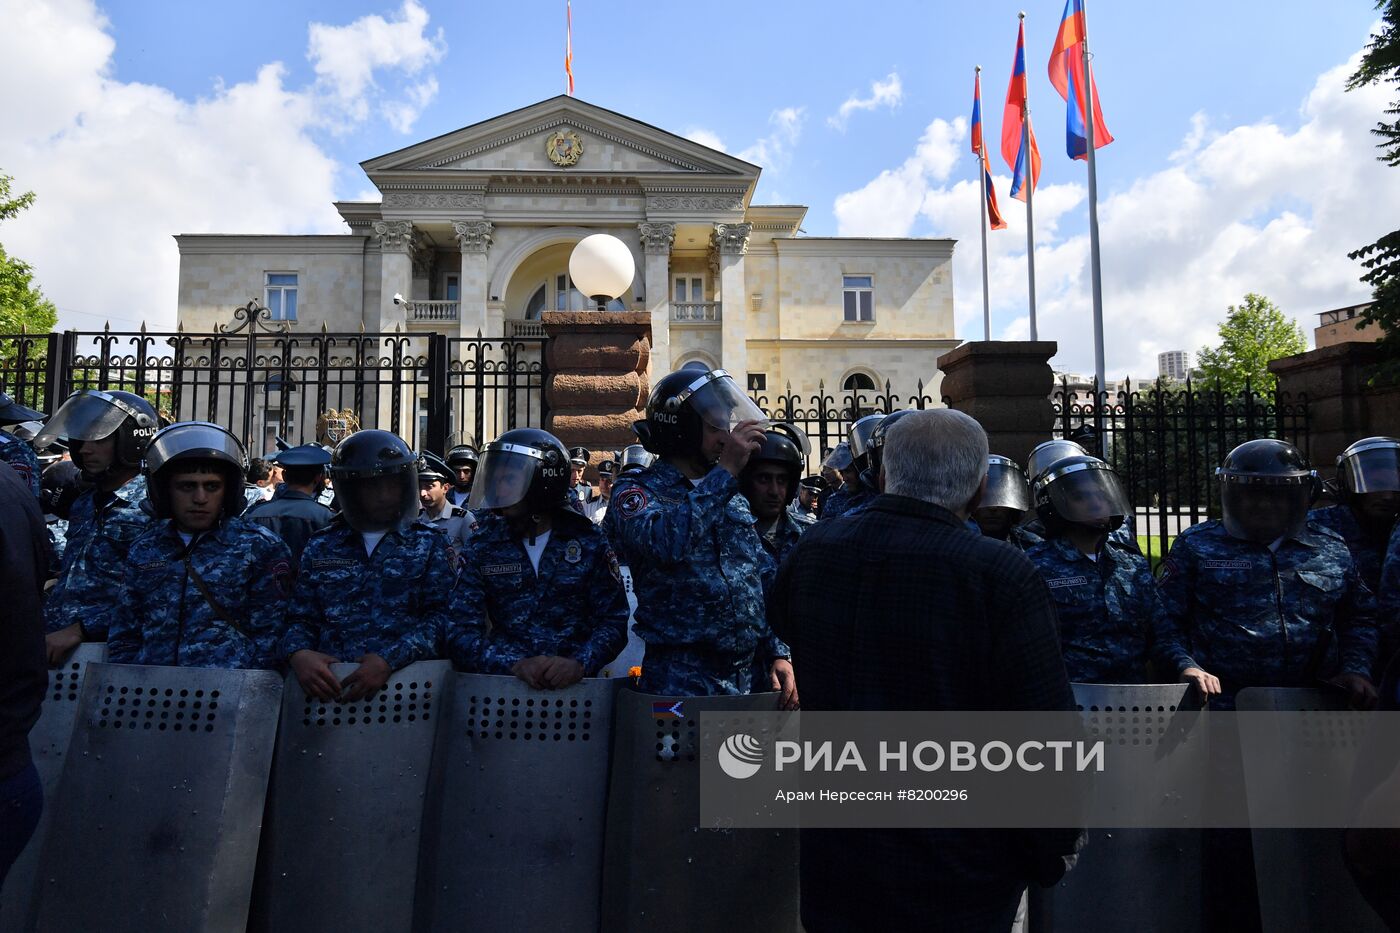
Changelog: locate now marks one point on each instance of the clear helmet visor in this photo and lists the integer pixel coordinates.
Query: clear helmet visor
(1265, 512)
(1047, 454)
(1088, 497)
(379, 502)
(721, 404)
(1374, 470)
(90, 416)
(1006, 488)
(503, 477)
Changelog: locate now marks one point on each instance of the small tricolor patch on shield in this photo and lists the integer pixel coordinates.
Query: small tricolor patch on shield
(665, 709)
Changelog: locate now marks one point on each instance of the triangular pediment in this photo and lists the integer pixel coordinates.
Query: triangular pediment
(518, 143)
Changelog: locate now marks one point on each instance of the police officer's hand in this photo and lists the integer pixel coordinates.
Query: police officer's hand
(782, 679)
(1207, 683)
(742, 442)
(531, 670)
(561, 672)
(372, 674)
(58, 644)
(1362, 691)
(313, 670)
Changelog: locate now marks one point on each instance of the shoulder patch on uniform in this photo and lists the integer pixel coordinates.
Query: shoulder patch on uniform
(573, 552)
(632, 501)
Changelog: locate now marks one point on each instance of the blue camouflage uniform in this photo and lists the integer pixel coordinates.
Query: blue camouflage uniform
(777, 542)
(162, 617)
(1109, 610)
(393, 603)
(1388, 601)
(1256, 618)
(574, 607)
(1368, 553)
(1033, 532)
(697, 566)
(291, 515)
(91, 574)
(846, 499)
(19, 455)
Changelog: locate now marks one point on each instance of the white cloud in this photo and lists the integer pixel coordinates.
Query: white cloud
(889, 204)
(774, 151)
(886, 93)
(119, 167)
(705, 137)
(1262, 207)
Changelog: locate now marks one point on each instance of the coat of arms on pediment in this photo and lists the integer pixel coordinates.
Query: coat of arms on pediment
(564, 148)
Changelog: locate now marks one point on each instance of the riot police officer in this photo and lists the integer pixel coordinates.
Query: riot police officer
(855, 491)
(688, 537)
(1005, 501)
(769, 481)
(462, 460)
(107, 433)
(435, 507)
(201, 586)
(543, 575)
(14, 450)
(294, 513)
(1368, 495)
(1042, 457)
(1262, 596)
(370, 587)
(1104, 594)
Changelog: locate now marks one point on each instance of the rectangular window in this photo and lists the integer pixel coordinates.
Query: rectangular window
(858, 297)
(274, 425)
(453, 288)
(280, 295)
(423, 410)
(690, 288)
(758, 382)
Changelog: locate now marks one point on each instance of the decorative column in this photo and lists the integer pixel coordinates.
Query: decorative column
(1006, 386)
(656, 243)
(396, 243)
(597, 384)
(474, 239)
(731, 242)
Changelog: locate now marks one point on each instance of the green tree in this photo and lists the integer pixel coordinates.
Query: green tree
(1381, 65)
(1252, 334)
(22, 304)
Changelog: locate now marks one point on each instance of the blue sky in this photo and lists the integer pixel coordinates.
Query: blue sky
(1193, 91)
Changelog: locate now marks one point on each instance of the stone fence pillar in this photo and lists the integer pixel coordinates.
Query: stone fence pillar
(597, 383)
(1006, 386)
(1342, 408)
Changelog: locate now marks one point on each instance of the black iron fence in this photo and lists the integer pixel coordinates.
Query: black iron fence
(431, 389)
(1166, 440)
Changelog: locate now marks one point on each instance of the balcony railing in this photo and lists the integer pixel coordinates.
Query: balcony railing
(525, 328)
(434, 310)
(695, 312)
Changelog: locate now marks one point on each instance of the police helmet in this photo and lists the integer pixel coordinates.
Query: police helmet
(682, 401)
(1370, 465)
(432, 468)
(1044, 455)
(1266, 489)
(195, 445)
(12, 412)
(840, 457)
(1080, 490)
(858, 436)
(463, 455)
(634, 459)
(1006, 486)
(524, 465)
(94, 414)
(783, 444)
(876, 452)
(376, 481)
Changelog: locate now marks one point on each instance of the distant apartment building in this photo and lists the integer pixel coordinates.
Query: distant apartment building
(1173, 365)
(1339, 326)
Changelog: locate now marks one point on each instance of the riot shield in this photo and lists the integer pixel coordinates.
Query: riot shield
(661, 870)
(340, 845)
(156, 821)
(48, 743)
(1134, 879)
(1303, 881)
(517, 810)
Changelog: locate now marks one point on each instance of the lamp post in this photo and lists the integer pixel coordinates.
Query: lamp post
(601, 266)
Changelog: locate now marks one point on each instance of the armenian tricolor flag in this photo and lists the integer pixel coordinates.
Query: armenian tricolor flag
(1067, 73)
(1012, 120)
(980, 150)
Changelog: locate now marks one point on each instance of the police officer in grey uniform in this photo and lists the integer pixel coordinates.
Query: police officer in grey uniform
(435, 508)
(293, 513)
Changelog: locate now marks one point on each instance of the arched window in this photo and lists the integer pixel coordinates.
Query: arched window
(537, 302)
(858, 382)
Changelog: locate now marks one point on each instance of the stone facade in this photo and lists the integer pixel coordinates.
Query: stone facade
(475, 228)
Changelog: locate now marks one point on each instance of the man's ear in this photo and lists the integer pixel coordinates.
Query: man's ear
(977, 496)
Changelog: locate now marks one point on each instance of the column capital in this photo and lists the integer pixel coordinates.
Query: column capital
(395, 235)
(473, 236)
(731, 239)
(657, 238)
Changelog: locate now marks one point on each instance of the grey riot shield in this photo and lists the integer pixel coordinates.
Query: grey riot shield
(516, 814)
(1135, 879)
(1303, 882)
(156, 821)
(661, 870)
(48, 743)
(340, 844)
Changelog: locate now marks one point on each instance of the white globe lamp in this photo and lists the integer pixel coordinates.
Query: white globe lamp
(601, 266)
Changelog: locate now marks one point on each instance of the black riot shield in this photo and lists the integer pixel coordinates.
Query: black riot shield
(662, 871)
(1134, 879)
(48, 743)
(156, 821)
(1303, 881)
(340, 845)
(517, 810)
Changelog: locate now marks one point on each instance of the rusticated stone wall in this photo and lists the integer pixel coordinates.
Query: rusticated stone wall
(597, 384)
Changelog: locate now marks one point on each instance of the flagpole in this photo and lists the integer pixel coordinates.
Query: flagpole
(1094, 269)
(982, 176)
(1029, 183)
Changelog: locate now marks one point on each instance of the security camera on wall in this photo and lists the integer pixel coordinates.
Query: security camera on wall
(398, 299)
